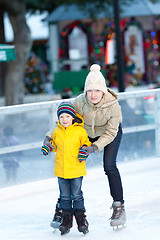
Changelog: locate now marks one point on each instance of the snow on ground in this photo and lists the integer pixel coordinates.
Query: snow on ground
(26, 210)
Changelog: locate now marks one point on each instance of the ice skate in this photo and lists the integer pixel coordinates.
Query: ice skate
(57, 219)
(118, 218)
(81, 221)
(67, 222)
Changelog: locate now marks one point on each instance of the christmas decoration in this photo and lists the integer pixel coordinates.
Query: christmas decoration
(35, 75)
(86, 27)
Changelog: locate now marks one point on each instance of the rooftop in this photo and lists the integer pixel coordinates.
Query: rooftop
(73, 12)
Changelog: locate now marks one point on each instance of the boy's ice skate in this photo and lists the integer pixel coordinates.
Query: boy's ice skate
(118, 218)
(81, 221)
(57, 219)
(67, 222)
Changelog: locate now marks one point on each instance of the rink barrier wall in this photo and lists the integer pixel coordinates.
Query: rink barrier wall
(52, 106)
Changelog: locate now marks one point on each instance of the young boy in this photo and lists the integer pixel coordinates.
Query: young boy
(68, 138)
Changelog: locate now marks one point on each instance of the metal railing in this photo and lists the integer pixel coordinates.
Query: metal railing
(51, 106)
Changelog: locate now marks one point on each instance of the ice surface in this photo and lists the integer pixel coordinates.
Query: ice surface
(27, 209)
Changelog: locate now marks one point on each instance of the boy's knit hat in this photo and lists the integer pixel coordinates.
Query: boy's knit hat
(66, 107)
(95, 80)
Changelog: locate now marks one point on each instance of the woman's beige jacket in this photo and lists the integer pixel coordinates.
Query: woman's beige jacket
(102, 119)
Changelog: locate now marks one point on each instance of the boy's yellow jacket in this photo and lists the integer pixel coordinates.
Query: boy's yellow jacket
(66, 142)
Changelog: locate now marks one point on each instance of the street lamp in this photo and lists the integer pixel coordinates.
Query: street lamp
(119, 54)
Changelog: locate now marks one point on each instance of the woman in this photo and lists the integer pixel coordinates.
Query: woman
(102, 116)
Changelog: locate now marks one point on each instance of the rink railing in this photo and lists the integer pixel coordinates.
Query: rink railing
(52, 105)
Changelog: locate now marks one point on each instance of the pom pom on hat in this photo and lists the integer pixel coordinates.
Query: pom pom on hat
(95, 67)
(66, 107)
(95, 80)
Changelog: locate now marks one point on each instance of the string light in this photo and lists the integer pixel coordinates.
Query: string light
(154, 42)
(63, 34)
(153, 33)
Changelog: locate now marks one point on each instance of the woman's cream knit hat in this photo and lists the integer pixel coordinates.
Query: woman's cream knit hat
(95, 80)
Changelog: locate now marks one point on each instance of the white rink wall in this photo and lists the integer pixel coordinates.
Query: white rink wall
(30, 122)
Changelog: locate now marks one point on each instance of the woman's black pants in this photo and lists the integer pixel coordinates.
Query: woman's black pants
(110, 166)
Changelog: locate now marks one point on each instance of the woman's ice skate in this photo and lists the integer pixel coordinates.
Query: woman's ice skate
(118, 218)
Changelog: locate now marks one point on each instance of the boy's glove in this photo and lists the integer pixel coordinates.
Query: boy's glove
(46, 149)
(90, 149)
(82, 155)
(48, 141)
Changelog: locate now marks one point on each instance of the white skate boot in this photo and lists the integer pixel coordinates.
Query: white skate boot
(118, 218)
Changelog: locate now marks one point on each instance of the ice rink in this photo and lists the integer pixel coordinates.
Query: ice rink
(27, 209)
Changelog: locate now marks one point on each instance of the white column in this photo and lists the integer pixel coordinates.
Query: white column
(53, 47)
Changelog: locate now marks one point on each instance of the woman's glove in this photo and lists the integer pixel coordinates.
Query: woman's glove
(82, 155)
(91, 149)
(46, 149)
(48, 141)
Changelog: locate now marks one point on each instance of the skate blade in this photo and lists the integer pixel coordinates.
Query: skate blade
(85, 232)
(119, 227)
(55, 225)
(63, 230)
